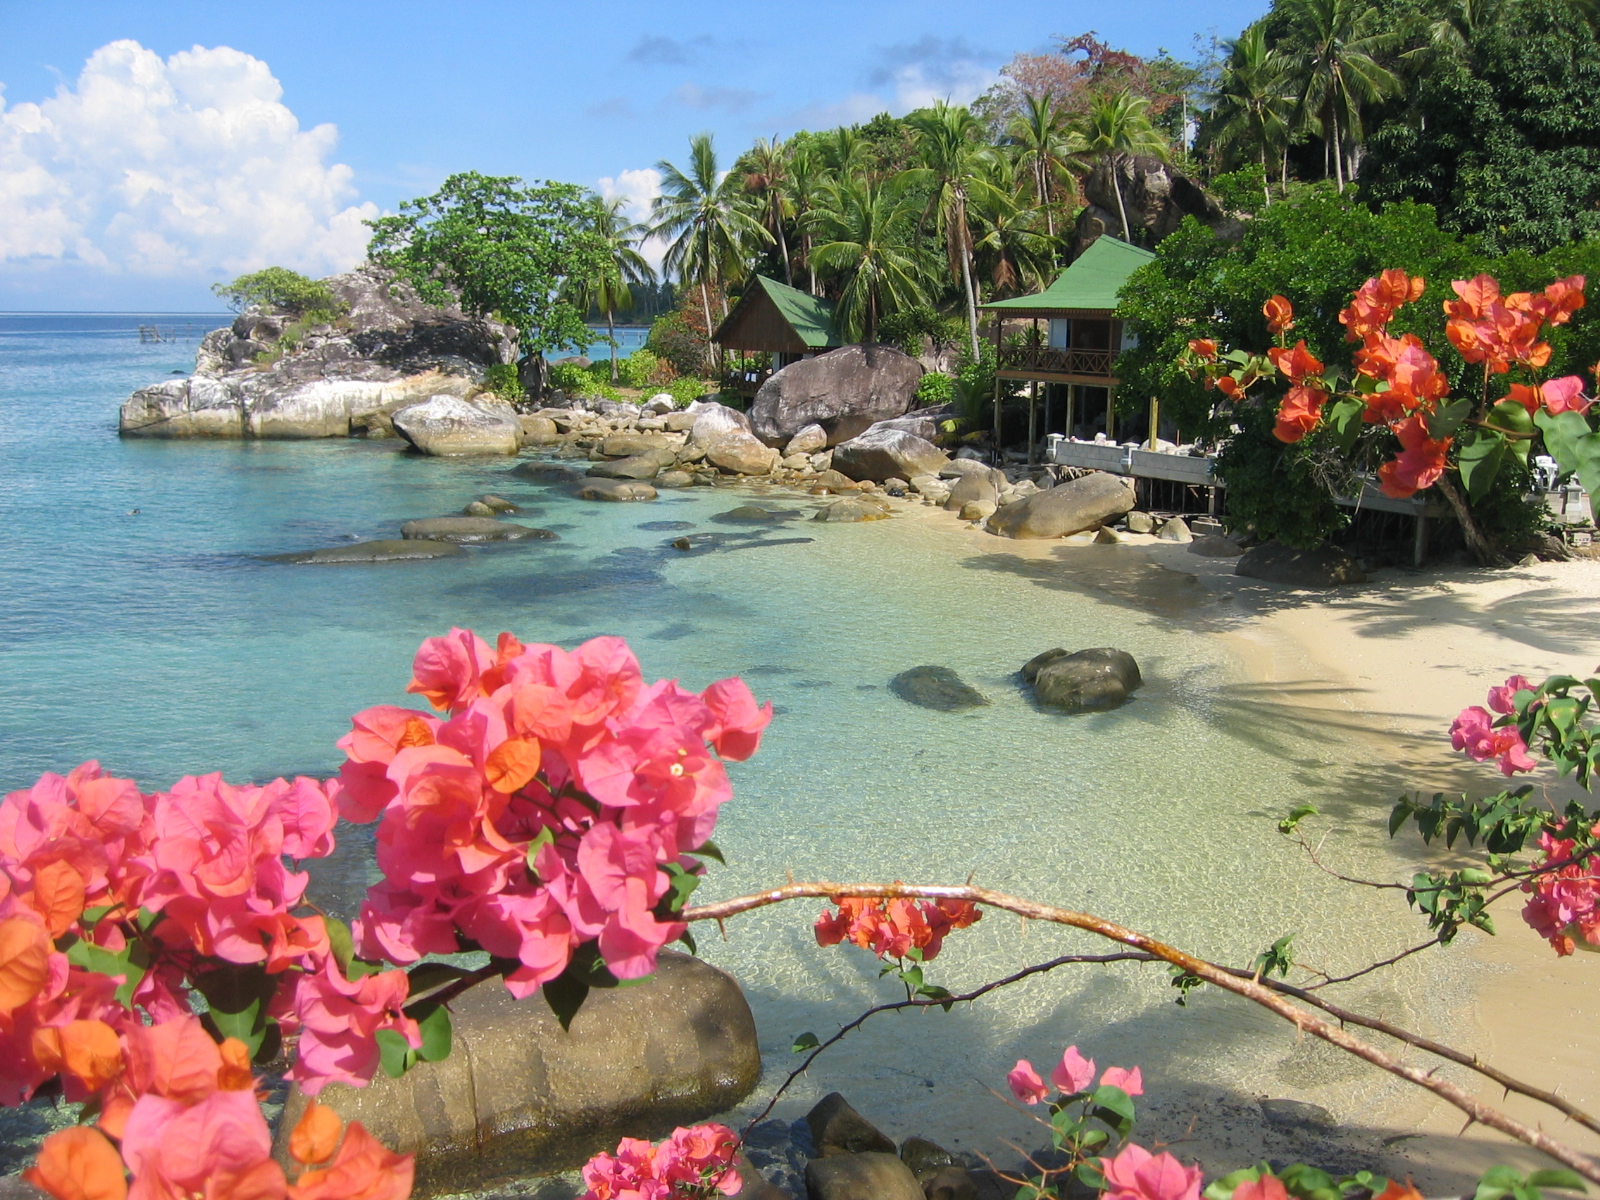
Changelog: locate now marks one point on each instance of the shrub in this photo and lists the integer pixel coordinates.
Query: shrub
(570, 377)
(935, 388)
(504, 380)
(280, 290)
(673, 339)
(639, 368)
(686, 389)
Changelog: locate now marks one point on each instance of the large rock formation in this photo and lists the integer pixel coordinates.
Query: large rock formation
(386, 351)
(883, 452)
(520, 1095)
(1157, 196)
(1083, 503)
(448, 426)
(845, 391)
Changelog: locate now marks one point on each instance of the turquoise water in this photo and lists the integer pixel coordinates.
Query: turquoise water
(158, 641)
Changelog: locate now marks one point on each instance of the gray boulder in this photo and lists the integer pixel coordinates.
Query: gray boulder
(970, 489)
(881, 453)
(1174, 530)
(449, 426)
(1324, 567)
(520, 1095)
(472, 529)
(740, 453)
(812, 439)
(874, 1176)
(616, 490)
(713, 422)
(837, 1128)
(541, 471)
(844, 391)
(539, 431)
(1156, 195)
(1083, 503)
(937, 688)
(629, 445)
(1085, 680)
(640, 466)
(850, 509)
(389, 550)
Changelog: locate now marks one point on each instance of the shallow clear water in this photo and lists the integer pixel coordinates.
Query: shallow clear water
(159, 642)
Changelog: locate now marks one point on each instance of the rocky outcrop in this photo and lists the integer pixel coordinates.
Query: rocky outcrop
(937, 688)
(520, 1095)
(1083, 503)
(473, 529)
(713, 422)
(844, 391)
(741, 454)
(1324, 567)
(448, 426)
(1087, 680)
(882, 452)
(616, 490)
(388, 349)
(1156, 195)
(388, 550)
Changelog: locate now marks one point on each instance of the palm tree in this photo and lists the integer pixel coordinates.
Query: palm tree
(1253, 104)
(1008, 242)
(1038, 134)
(1337, 70)
(953, 155)
(845, 151)
(1115, 128)
(609, 289)
(699, 210)
(865, 229)
(767, 179)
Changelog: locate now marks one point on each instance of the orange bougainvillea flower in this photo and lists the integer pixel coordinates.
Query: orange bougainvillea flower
(1398, 1191)
(1299, 414)
(235, 1075)
(1279, 313)
(1418, 465)
(89, 1051)
(1296, 362)
(1374, 304)
(1229, 387)
(1204, 348)
(24, 962)
(78, 1163)
(316, 1134)
(58, 896)
(364, 1170)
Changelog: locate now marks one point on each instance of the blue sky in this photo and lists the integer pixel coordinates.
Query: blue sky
(149, 149)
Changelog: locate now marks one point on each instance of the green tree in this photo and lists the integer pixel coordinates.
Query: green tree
(1116, 128)
(609, 290)
(766, 178)
(701, 210)
(1337, 45)
(501, 248)
(1008, 243)
(954, 160)
(865, 233)
(278, 289)
(1253, 106)
(1039, 134)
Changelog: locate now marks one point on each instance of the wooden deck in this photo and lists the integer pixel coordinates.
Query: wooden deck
(1056, 366)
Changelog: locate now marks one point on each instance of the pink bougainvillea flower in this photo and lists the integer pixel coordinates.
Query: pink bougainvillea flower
(1136, 1174)
(338, 1021)
(1474, 732)
(1565, 898)
(1419, 464)
(1129, 1081)
(739, 720)
(220, 1149)
(1564, 395)
(1025, 1083)
(1268, 1187)
(1502, 699)
(1074, 1073)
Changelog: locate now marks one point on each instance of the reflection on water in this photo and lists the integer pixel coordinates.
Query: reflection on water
(161, 644)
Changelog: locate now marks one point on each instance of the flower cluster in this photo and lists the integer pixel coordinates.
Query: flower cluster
(554, 804)
(693, 1163)
(1565, 900)
(1502, 331)
(1136, 1174)
(900, 928)
(1476, 731)
(1072, 1076)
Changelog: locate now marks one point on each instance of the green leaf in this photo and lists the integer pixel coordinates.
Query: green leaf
(426, 976)
(130, 963)
(1482, 452)
(1297, 814)
(1223, 1187)
(437, 1035)
(340, 943)
(709, 849)
(540, 840)
(395, 1053)
(1344, 418)
(1558, 1177)
(681, 886)
(806, 1041)
(1573, 445)
(1443, 421)
(565, 995)
(238, 998)
(1113, 1106)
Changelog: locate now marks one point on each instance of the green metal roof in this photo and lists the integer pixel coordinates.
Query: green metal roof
(1091, 282)
(809, 316)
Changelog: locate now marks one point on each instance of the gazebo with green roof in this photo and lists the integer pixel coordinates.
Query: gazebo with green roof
(776, 319)
(1083, 338)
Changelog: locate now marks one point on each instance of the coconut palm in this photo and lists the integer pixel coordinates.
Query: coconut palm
(1115, 128)
(954, 158)
(700, 210)
(1038, 132)
(1008, 243)
(844, 150)
(1253, 104)
(1336, 70)
(609, 288)
(767, 180)
(865, 237)
(807, 175)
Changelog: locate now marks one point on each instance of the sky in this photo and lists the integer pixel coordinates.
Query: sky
(148, 150)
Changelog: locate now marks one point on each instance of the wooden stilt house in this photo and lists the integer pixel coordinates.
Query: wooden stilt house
(779, 320)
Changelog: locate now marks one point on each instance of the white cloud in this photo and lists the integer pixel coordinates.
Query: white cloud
(183, 166)
(637, 188)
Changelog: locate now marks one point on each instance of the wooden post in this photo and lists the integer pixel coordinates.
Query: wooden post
(1072, 404)
(1033, 422)
(1155, 421)
(1111, 414)
(999, 453)
(1047, 410)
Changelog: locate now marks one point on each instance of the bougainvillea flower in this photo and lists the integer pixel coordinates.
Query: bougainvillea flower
(1418, 465)
(1130, 1081)
(1230, 387)
(1374, 304)
(78, 1163)
(1473, 731)
(1565, 898)
(220, 1149)
(1025, 1083)
(338, 1021)
(363, 1170)
(892, 928)
(740, 720)
(1074, 1073)
(1502, 699)
(1136, 1174)
(1299, 414)
(1268, 1187)
(25, 952)
(1204, 348)
(1279, 313)
(1397, 1190)
(1295, 362)
(1564, 395)
(315, 1135)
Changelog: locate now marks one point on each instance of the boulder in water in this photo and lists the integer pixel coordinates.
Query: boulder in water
(616, 489)
(387, 550)
(473, 529)
(937, 688)
(849, 509)
(639, 466)
(1084, 680)
(449, 426)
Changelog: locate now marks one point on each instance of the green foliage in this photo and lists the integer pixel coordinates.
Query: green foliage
(1499, 1183)
(503, 248)
(1277, 490)
(935, 388)
(639, 369)
(1241, 191)
(504, 381)
(571, 378)
(674, 340)
(907, 327)
(686, 389)
(277, 289)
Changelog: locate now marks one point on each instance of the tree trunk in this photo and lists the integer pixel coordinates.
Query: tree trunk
(1482, 549)
(611, 332)
(1044, 200)
(1266, 182)
(966, 283)
(1116, 185)
(1338, 153)
(783, 246)
(705, 308)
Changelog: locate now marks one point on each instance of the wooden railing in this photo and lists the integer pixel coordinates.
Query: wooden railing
(745, 383)
(1044, 361)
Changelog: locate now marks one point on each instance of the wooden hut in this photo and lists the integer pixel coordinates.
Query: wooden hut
(779, 320)
(1074, 337)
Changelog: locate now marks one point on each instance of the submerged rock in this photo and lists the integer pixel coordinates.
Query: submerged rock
(638, 466)
(545, 472)
(473, 529)
(1084, 680)
(520, 1095)
(387, 550)
(850, 509)
(1326, 566)
(616, 489)
(879, 1175)
(938, 688)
